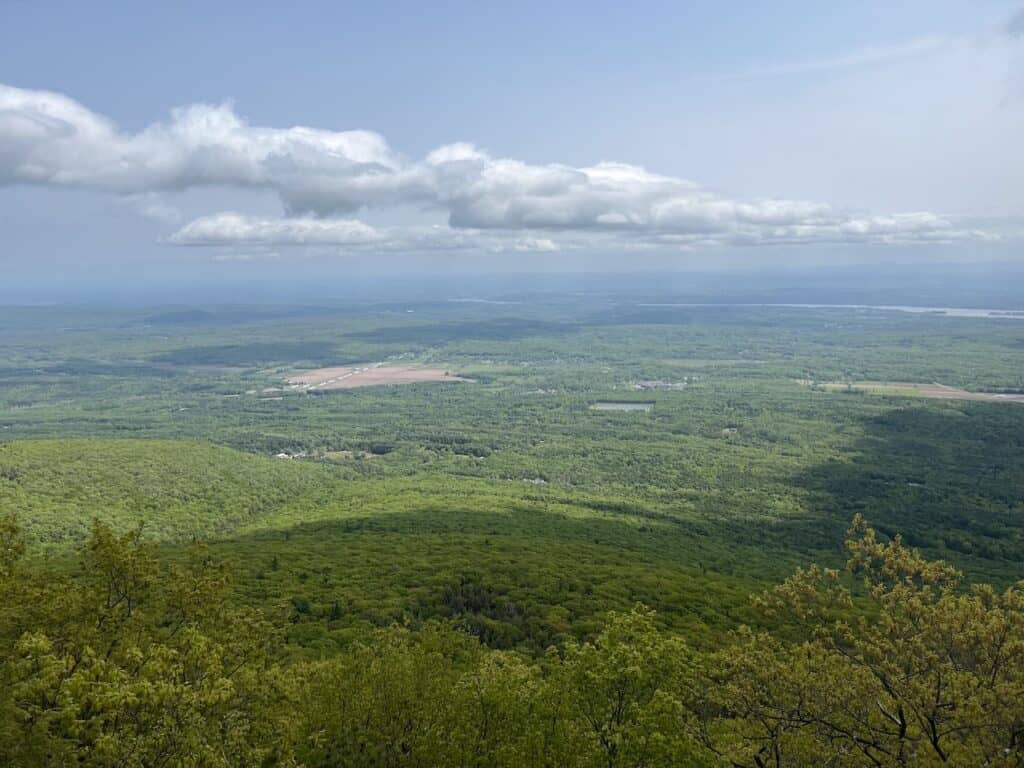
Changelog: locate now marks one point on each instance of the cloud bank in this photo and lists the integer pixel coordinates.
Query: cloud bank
(231, 228)
(325, 179)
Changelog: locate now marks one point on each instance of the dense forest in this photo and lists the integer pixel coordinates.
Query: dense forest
(204, 565)
(139, 662)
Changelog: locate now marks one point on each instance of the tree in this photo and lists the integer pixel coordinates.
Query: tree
(137, 663)
(12, 545)
(916, 672)
(134, 665)
(627, 690)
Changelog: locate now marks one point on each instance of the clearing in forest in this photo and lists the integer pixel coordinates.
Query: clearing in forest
(612, 405)
(346, 377)
(933, 390)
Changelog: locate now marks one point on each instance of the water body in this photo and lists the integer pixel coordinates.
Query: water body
(1004, 314)
(482, 301)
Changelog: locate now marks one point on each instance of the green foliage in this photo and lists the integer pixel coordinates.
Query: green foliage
(177, 490)
(132, 664)
(626, 689)
(12, 545)
(448, 574)
(924, 675)
(137, 662)
(739, 456)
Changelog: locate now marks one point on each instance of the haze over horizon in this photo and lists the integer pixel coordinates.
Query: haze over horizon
(350, 141)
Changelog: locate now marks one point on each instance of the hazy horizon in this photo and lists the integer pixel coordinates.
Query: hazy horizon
(976, 285)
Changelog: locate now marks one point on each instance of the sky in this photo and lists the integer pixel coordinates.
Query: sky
(195, 141)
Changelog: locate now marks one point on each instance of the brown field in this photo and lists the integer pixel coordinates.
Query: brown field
(319, 377)
(346, 377)
(933, 390)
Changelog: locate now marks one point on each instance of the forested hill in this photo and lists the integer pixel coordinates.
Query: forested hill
(137, 661)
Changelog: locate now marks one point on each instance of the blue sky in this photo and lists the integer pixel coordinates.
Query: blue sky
(534, 135)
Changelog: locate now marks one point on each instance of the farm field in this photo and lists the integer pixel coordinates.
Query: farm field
(376, 374)
(934, 390)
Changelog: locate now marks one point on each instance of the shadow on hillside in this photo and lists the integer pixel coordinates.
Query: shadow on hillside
(948, 477)
(660, 538)
(520, 578)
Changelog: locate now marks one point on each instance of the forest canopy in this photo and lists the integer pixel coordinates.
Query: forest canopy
(132, 659)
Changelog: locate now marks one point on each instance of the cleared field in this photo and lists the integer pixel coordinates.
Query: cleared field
(933, 390)
(610, 405)
(347, 377)
(320, 376)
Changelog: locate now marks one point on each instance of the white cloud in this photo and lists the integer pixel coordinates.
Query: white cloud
(237, 229)
(324, 177)
(47, 138)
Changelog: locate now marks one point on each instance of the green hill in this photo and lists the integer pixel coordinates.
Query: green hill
(175, 489)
